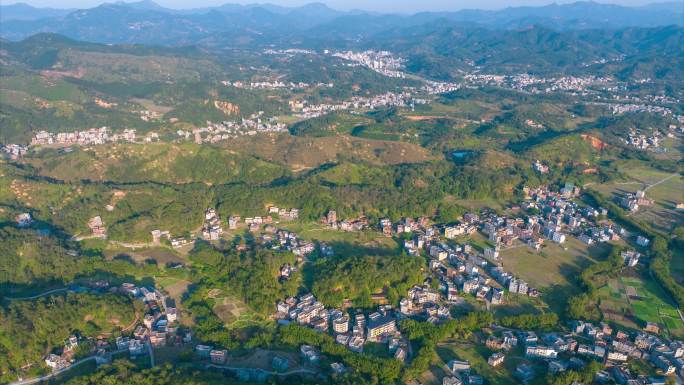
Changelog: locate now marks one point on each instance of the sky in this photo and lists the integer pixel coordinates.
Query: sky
(386, 6)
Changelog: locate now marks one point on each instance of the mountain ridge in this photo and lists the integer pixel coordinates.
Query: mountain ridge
(150, 23)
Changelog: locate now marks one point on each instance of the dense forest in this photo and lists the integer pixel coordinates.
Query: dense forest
(356, 278)
(30, 329)
(251, 275)
(29, 258)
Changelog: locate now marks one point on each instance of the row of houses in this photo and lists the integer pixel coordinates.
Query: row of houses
(13, 151)
(284, 240)
(92, 136)
(254, 223)
(563, 351)
(212, 228)
(330, 219)
(215, 132)
(425, 301)
(632, 201)
(610, 347)
(351, 331)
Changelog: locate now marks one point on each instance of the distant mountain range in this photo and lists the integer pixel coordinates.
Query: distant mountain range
(146, 22)
(23, 11)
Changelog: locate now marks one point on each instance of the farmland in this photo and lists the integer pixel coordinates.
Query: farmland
(632, 301)
(666, 189)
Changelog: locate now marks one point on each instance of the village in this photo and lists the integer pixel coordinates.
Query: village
(382, 62)
(592, 88)
(274, 85)
(458, 273)
(465, 263)
(216, 132)
(93, 136)
(463, 271)
(303, 110)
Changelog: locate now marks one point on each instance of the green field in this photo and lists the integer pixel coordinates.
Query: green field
(520, 304)
(552, 269)
(633, 301)
(557, 261)
(478, 354)
(235, 313)
(50, 89)
(176, 288)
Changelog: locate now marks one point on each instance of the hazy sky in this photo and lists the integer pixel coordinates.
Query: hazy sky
(372, 5)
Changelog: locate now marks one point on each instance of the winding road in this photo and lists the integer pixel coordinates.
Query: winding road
(53, 291)
(53, 374)
(270, 372)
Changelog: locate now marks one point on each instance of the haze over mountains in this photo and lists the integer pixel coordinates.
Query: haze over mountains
(149, 23)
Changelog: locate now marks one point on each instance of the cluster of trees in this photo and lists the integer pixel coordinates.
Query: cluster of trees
(661, 258)
(208, 326)
(582, 376)
(32, 260)
(252, 275)
(543, 321)
(404, 190)
(122, 372)
(30, 329)
(356, 278)
(326, 125)
(583, 306)
(424, 338)
(29, 259)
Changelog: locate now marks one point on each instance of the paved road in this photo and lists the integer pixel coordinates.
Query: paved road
(288, 373)
(60, 371)
(37, 295)
(53, 374)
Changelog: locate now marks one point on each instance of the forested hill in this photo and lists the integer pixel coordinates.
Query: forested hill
(447, 50)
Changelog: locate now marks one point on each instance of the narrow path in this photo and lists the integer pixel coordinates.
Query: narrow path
(132, 325)
(661, 181)
(151, 352)
(513, 246)
(642, 183)
(133, 245)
